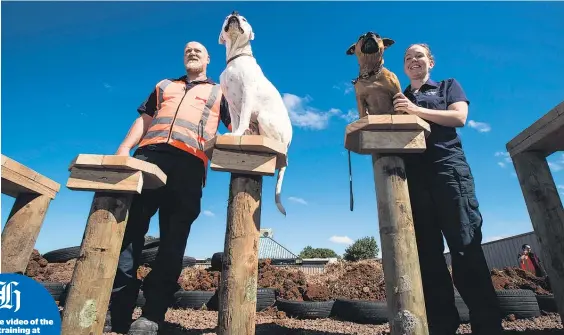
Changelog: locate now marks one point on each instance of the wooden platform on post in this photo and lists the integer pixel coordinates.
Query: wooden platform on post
(33, 193)
(528, 151)
(383, 137)
(248, 158)
(114, 179)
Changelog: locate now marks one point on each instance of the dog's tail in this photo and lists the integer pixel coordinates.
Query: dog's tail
(279, 181)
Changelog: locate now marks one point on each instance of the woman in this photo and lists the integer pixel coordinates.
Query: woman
(443, 201)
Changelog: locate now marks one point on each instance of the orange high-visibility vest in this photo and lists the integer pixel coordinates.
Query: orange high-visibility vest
(185, 119)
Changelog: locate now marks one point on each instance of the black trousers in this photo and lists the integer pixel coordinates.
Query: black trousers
(178, 203)
(444, 202)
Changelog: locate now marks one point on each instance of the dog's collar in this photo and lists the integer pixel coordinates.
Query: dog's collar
(368, 74)
(237, 56)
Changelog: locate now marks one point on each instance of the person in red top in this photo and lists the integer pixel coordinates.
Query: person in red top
(529, 261)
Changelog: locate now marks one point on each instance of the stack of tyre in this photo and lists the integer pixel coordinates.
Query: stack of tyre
(59, 291)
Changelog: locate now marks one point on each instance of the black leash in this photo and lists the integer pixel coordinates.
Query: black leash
(350, 183)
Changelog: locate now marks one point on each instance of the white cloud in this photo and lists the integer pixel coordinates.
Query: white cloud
(305, 116)
(208, 213)
(351, 115)
(346, 87)
(297, 200)
(506, 158)
(481, 127)
(555, 166)
(341, 239)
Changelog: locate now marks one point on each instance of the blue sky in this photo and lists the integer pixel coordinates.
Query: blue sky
(73, 75)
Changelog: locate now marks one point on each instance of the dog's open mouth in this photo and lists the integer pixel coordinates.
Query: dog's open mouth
(233, 23)
(369, 46)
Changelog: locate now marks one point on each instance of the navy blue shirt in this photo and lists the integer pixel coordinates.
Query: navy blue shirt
(438, 96)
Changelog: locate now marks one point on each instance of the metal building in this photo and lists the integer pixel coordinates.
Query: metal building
(502, 253)
(269, 248)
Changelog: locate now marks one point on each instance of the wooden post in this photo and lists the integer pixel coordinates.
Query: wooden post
(33, 193)
(248, 158)
(114, 179)
(383, 136)
(528, 151)
(547, 216)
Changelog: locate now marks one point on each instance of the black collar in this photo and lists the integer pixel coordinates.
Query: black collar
(185, 79)
(237, 56)
(374, 72)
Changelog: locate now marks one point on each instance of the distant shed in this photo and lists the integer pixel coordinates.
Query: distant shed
(503, 252)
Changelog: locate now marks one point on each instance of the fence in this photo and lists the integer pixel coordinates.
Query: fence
(503, 252)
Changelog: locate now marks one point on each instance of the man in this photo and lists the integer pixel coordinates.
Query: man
(529, 261)
(174, 123)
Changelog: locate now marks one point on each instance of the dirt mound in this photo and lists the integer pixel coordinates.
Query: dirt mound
(362, 280)
(41, 270)
(194, 279)
(515, 278)
(291, 284)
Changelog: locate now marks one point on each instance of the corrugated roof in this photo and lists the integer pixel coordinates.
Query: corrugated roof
(269, 248)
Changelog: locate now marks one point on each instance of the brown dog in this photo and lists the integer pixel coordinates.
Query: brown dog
(375, 85)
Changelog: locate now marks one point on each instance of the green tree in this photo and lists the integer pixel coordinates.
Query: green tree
(363, 248)
(309, 252)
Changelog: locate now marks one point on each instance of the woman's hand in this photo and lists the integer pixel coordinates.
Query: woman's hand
(404, 105)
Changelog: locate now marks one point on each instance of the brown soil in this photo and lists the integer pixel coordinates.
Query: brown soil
(195, 322)
(360, 280)
(516, 278)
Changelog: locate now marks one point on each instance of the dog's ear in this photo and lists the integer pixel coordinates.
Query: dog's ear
(221, 39)
(388, 42)
(252, 35)
(350, 50)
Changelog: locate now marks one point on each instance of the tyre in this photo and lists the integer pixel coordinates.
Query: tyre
(188, 261)
(521, 303)
(361, 311)
(55, 289)
(152, 243)
(192, 299)
(216, 261)
(62, 255)
(148, 255)
(547, 303)
(305, 309)
(266, 297)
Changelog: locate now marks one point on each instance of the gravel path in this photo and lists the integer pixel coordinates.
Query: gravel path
(191, 322)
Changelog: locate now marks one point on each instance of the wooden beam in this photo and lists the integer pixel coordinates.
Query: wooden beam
(389, 142)
(248, 144)
(238, 287)
(387, 134)
(153, 177)
(114, 179)
(257, 163)
(21, 231)
(109, 180)
(546, 135)
(400, 259)
(19, 179)
(547, 216)
(95, 269)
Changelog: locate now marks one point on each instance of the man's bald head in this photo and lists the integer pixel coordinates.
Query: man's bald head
(196, 57)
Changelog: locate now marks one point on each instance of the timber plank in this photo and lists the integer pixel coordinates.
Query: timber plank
(544, 135)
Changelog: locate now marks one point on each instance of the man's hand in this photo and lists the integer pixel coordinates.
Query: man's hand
(404, 105)
(123, 151)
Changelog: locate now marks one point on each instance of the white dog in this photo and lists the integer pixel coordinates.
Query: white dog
(251, 96)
